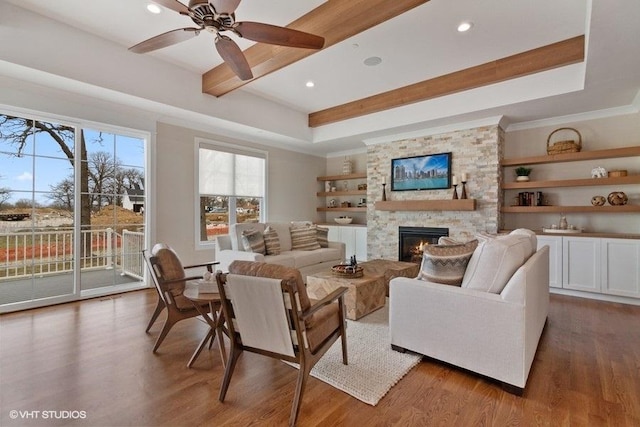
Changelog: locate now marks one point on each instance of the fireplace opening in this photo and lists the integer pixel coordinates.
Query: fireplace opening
(412, 241)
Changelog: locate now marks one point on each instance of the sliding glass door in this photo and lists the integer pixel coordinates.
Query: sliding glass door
(68, 229)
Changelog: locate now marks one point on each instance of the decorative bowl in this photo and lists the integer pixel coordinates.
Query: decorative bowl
(617, 198)
(343, 220)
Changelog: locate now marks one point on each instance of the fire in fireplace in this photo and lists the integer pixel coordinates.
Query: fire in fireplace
(412, 241)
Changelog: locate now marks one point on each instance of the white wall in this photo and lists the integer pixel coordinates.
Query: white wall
(597, 134)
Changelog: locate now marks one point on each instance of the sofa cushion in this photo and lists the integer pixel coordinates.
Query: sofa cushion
(283, 258)
(306, 258)
(253, 241)
(304, 238)
(494, 261)
(271, 241)
(284, 235)
(235, 232)
(322, 234)
(446, 264)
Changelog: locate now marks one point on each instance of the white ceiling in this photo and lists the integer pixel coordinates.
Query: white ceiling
(418, 45)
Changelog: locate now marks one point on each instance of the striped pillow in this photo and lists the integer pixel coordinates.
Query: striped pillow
(322, 234)
(271, 241)
(304, 238)
(253, 241)
(446, 264)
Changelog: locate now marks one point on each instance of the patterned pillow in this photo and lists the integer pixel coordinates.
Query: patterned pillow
(446, 264)
(271, 241)
(322, 234)
(304, 238)
(253, 241)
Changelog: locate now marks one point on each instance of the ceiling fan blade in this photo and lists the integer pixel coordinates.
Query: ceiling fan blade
(233, 56)
(165, 39)
(272, 34)
(225, 6)
(173, 5)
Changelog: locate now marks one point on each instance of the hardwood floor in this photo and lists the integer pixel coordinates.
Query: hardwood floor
(94, 356)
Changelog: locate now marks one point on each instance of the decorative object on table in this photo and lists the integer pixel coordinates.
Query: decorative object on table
(463, 195)
(426, 172)
(598, 172)
(522, 173)
(565, 145)
(347, 166)
(617, 173)
(343, 220)
(343, 270)
(598, 200)
(454, 183)
(362, 187)
(617, 198)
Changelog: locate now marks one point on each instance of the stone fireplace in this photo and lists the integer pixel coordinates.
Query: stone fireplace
(411, 241)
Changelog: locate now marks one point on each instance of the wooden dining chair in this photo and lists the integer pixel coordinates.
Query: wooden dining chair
(170, 278)
(268, 312)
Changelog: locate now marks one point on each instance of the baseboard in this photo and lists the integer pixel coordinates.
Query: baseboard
(599, 297)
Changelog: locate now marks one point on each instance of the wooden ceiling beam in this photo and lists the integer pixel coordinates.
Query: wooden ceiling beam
(555, 55)
(335, 20)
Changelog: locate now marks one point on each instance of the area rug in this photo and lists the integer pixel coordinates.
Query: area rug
(373, 367)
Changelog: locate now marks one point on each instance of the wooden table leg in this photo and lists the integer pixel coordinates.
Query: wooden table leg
(215, 328)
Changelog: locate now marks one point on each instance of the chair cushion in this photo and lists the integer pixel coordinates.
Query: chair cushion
(273, 271)
(446, 264)
(304, 238)
(324, 322)
(271, 241)
(171, 269)
(253, 241)
(494, 262)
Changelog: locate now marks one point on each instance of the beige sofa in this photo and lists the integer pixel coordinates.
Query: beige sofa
(482, 326)
(230, 248)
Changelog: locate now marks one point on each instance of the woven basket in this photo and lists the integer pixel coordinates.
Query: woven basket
(566, 146)
(345, 272)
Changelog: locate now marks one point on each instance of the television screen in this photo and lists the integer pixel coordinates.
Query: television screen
(427, 172)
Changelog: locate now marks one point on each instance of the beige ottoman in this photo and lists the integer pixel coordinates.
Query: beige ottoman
(365, 294)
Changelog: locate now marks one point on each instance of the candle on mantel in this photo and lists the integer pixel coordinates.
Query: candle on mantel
(384, 179)
(464, 177)
(454, 180)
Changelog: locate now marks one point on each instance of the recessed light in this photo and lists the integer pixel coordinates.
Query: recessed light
(372, 61)
(154, 8)
(310, 84)
(465, 26)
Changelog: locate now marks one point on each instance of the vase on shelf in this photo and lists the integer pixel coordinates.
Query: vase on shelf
(522, 178)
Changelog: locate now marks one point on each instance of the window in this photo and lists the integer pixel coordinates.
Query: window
(231, 187)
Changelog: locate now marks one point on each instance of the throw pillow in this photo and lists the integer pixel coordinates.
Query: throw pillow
(252, 241)
(322, 234)
(304, 238)
(271, 241)
(446, 264)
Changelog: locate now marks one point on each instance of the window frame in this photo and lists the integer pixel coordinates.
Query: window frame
(228, 148)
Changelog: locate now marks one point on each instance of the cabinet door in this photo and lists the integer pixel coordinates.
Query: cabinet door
(348, 237)
(555, 258)
(581, 263)
(361, 243)
(334, 233)
(621, 267)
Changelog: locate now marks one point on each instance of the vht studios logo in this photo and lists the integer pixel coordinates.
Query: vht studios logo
(48, 415)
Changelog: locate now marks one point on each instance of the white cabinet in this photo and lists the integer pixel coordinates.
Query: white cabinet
(581, 263)
(354, 239)
(555, 258)
(620, 267)
(596, 265)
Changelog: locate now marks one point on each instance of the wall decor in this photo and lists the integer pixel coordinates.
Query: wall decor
(426, 172)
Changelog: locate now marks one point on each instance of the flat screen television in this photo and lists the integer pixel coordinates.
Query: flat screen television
(427, 172)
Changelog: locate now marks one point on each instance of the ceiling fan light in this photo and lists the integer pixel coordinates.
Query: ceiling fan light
(465, 26)
(154, 8)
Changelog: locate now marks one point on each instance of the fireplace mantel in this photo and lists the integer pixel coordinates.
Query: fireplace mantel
(427, 205)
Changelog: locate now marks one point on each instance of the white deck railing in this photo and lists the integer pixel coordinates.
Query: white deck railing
(45, 252)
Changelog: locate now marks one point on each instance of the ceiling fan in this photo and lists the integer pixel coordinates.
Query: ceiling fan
(217, 17)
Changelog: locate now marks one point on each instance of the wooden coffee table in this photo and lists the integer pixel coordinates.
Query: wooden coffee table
(390, 269)
(365, 294)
